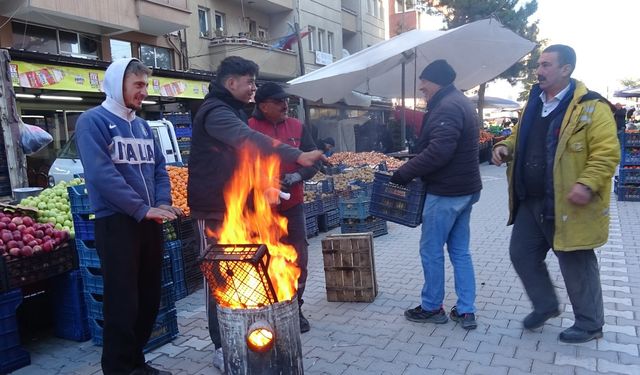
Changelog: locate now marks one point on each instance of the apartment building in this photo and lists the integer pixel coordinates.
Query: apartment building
(61, 48)
(258, 29)
(405, 15)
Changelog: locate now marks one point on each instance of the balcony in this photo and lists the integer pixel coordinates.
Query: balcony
(159, 17)
(349, 20)
(267, 6)
(274, 63)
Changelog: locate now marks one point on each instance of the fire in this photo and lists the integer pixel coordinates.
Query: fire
(251, 219)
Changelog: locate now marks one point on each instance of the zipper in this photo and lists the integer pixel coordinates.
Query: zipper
(146, 187)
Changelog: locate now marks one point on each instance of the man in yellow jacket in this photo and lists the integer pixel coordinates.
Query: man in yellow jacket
(561, 157)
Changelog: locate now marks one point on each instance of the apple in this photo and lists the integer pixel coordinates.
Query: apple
(17, 220)
(11, 244)
(37, 249)
(28, 221)
(21, 227)
(6, 237)
(39, 233)
(47, 246)
(12, 226)
(26, 251)
(15, 252)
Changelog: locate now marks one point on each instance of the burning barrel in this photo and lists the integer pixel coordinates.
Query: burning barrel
(260, 335)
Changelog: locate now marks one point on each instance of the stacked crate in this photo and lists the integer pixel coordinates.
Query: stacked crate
(182, 126)
(70, 312)
(354, 213)
(311, 211)
(166, 326)
(627, 185)
(190, 254)
(12, 356)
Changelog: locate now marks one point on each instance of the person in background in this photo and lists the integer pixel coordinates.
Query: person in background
(326, 145)
(561, 160)
(219, 129)
(130, 193)
(448, 163)
(271, 118)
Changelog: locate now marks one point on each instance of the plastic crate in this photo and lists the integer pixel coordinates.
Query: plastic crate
(69, 308)
(631, 158)
(164, 330)
(94, 302)
(329, 202)
(92, 279)
(79, 199)
(329, 220)
(170, 230)
(87, 254)
(84, 226)
(174, 250)
(631, 139)
(13, 359)
(9, 335)
(311, 225)
(629, 176)
(312, 208)
(183, 131)
(178, 118)
(377, 226)
(627, 192)
(18, 272)
(354, 208)
(186, 225)
(399, 204)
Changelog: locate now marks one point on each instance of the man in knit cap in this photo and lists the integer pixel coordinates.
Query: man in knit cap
(447, 163)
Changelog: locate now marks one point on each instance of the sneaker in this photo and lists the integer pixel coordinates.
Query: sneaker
(304, 324)
(536, 320)
(218, 360)
(419, 315)
(575, 335)
(466, 320)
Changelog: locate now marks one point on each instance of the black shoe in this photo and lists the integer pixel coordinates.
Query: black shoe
(304, 324)
(575, 335)
(536, 320)
(423, 316)
(467, 320)
(146, 369)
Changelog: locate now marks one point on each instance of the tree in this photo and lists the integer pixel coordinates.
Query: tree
(459, 12)
(630, 82)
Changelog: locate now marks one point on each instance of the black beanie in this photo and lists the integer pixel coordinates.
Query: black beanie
(439, 72)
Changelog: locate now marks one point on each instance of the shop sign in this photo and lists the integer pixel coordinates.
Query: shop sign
(323, 58)
(58, 77)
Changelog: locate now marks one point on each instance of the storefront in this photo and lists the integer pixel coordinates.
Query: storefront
(53, 94)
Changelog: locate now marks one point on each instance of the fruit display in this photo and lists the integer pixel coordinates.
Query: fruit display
(53, 207)
(179, 177)
(357, 159)
(345, 181)
(21, 236)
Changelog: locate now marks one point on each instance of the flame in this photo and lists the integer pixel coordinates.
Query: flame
(251, 219)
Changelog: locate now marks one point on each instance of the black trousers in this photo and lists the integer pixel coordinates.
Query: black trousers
(297, 237)
(531, 240)
(131, 258)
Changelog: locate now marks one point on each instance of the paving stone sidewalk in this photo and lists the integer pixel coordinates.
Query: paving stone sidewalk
(375, 338)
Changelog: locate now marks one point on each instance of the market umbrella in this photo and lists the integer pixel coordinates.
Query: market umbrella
(495, 102)
(628, 93)
(478, 51)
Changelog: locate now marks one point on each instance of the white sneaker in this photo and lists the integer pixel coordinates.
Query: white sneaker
(218, 360)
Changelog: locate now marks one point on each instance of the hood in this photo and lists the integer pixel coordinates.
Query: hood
(112, 87)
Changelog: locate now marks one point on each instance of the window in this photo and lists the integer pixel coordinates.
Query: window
(379, 9)
(156, 57)
(320, 46)
(405, 5)
(45, 39)
(330, 42)
(220, 24)
(203, 22)
(312, 37)
(371, 6)
(120, 49)
(78, 45)
(262, 34)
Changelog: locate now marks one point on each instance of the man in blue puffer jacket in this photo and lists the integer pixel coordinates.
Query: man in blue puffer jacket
(130, 194)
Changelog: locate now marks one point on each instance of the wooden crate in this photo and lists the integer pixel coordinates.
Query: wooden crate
(349, 267)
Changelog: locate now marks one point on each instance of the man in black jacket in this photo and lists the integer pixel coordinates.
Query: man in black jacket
(447, 162)
(219, 129)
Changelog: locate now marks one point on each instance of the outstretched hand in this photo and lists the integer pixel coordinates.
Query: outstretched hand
(307, 159)
(159, 215)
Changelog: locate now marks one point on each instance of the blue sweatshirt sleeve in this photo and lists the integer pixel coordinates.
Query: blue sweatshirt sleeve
(100, 173)
(161, 178)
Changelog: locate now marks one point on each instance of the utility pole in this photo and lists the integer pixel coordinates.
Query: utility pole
(16, 160)
(305, 107)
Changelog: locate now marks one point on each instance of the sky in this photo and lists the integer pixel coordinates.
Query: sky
(604, 34)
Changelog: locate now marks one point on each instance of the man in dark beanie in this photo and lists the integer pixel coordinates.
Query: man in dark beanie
(447, 162)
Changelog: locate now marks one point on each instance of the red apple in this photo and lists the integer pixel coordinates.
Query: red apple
(27, 238)
(33, 243)
(12, 226)
(26, 251)
(17, 220)
(5, 219)
(47, 246)
(15, 252)
(6, 236)
(37, 249)
(39, 233)
(28, 221)
(11, 244)
(21, 227)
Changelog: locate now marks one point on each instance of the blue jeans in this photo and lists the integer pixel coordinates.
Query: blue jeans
(445, 220)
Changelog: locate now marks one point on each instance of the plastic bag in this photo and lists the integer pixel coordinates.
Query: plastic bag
(33, 138)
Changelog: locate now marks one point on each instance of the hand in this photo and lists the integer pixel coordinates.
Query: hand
(580, 194)
(397, 179)
(307, 159)
(499, 155)
(159, 215)
(176, 210)
(291, 178)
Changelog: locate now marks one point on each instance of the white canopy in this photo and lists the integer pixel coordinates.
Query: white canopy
(478, 51)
